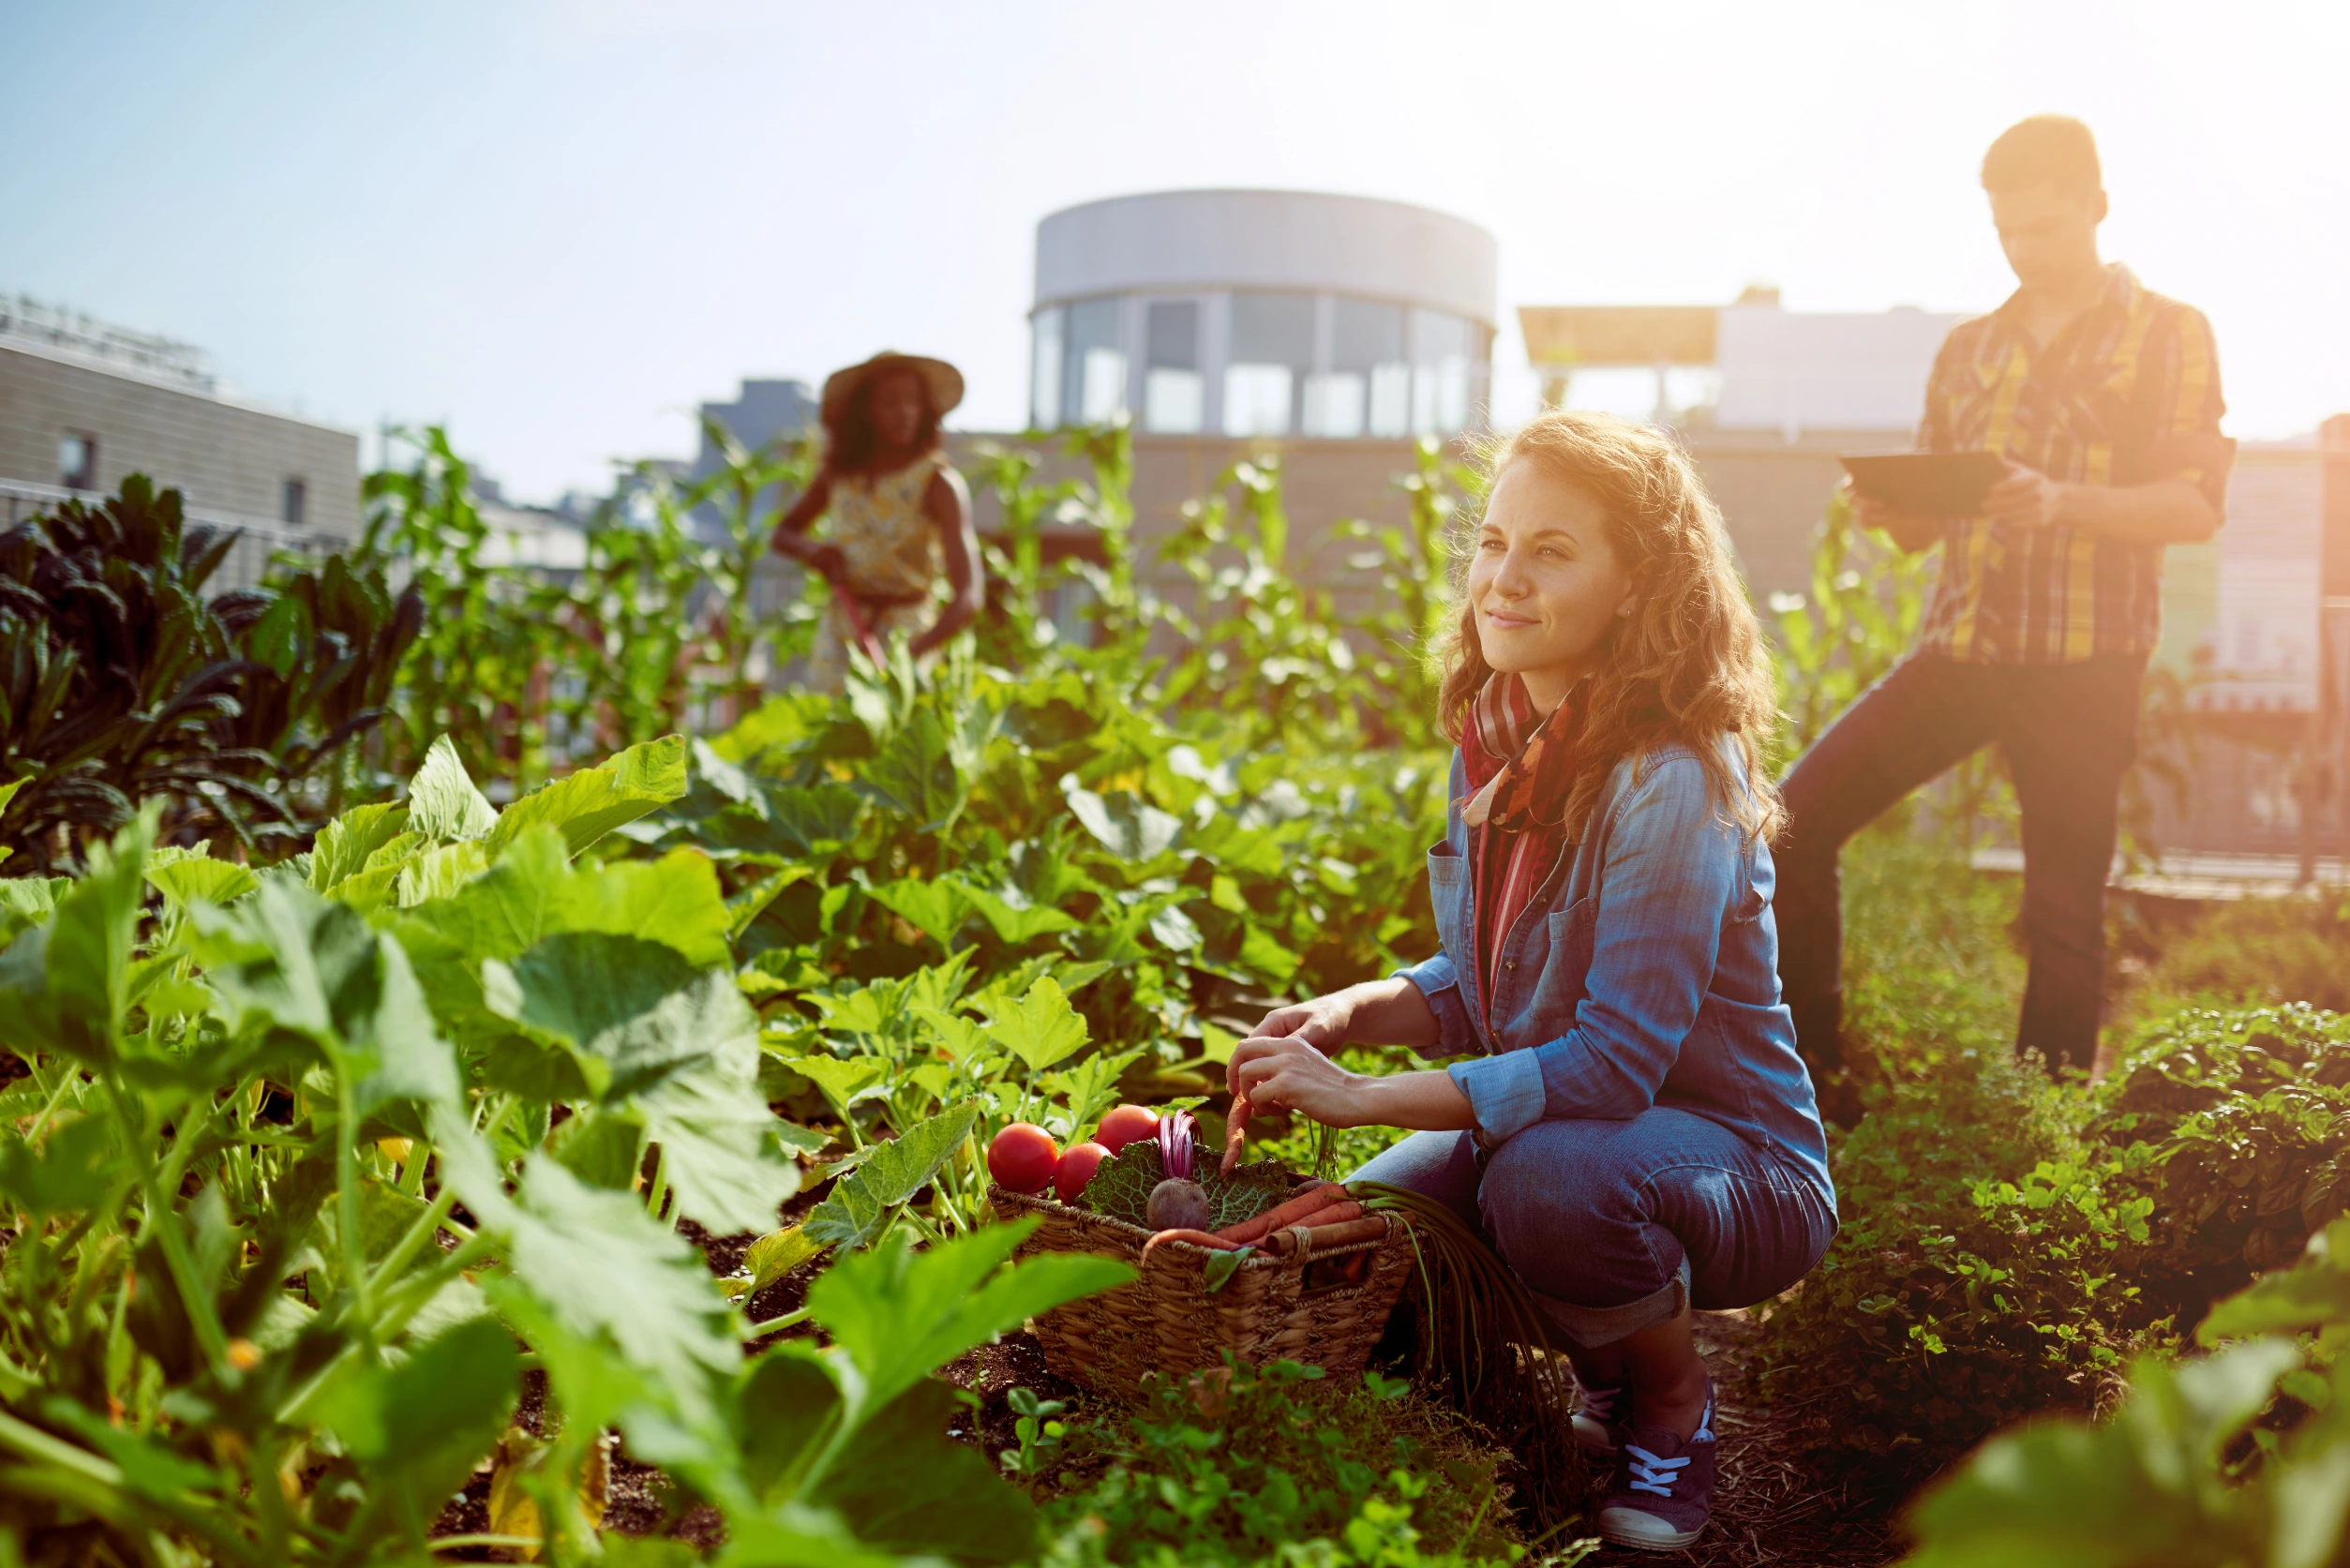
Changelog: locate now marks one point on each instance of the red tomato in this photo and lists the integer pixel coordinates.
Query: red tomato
(1076, 1169)
(1124, 1124)
(1023, 1157)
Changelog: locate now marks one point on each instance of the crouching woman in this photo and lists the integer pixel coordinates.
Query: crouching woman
(1634, 1129)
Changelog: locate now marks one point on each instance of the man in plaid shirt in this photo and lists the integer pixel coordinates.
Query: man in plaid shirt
(2103, 397)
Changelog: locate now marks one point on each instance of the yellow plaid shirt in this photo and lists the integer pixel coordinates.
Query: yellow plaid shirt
(2128, 394)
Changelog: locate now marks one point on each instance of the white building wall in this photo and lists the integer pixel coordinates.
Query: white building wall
(1791, 371)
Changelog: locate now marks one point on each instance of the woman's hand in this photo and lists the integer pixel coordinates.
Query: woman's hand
(1324, 1023)
(1286, 1072)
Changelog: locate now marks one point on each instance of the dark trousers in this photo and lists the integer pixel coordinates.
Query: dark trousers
(2069, 731)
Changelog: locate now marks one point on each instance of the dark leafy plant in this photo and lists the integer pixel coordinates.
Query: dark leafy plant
(120, 681)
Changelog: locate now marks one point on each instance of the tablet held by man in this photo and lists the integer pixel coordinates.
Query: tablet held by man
(2100, 399)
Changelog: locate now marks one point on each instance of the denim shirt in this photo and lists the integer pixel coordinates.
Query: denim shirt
(1643, 972)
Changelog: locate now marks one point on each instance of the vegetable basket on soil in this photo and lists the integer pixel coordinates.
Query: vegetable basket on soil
(1318, 1294)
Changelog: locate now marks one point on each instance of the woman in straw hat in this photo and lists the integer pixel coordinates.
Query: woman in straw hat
(901, 518)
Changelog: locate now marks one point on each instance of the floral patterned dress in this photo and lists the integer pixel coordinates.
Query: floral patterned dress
(895, 568)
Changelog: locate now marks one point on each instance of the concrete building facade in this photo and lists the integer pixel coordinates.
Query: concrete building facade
(84, 404)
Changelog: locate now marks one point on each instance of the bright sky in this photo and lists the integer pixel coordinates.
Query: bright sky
(559, 225)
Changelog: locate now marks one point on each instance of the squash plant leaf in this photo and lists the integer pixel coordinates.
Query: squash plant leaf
(592, 802)
(720, 1140)
(535, 891)
(66, 983)
(933, 908)
(899, 1315)
(442, 803)
(1090, 1086)
(861, 1202)
(1016, 924)
(843, 1080)
(186, 878)
(2312, 1294)
(915, 775)
(1130, 829)
(1040, 1028)
(419, 1423)
(777, 1253)
(599, 1268)
(632, 1012)
(348, 844)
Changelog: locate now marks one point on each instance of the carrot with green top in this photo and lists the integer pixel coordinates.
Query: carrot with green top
(1197, 1238)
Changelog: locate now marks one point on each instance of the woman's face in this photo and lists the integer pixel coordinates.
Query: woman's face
(1546, 583)
(898, 405)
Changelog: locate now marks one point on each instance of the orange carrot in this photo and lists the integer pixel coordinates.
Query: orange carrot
(1286, 1213)
(1197, 1238)
(1336, 1214)
(1322, 1238)
(1236, 1133)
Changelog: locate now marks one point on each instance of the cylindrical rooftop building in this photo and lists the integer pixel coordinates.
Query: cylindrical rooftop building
(1263, 313)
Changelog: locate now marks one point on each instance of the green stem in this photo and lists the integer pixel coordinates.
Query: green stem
(159, 1218)
(65, 1081)
(356, 1273)
(659, 1196)
(765, 1326)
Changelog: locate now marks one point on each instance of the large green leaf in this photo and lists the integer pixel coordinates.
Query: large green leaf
(632, 1012)
(419, 1423)
(599, 1268)
(1040, 1028)
(904, 1486)
(2313, 1293)
(186, 878)
(933, 908)
(1017, 923)
(534, 893)
(726, 1168)
(680, 1048)
(28, 900)
(347, 844)
(914, 774)
(65, 985)
(1130, 829)
(899, 1315)
(317, 969)
(442, 803)
(860, 1202)
(2142, 1487)
(592, 802)
(817, 821)
(71, 1172)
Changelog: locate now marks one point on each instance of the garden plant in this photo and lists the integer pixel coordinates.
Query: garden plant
(470, 1055)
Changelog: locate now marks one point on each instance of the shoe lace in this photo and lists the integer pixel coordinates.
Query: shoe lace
(1650, 1473)
(1600, 1403)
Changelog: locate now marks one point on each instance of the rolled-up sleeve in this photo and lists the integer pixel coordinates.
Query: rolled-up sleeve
(1439, 982)
(1669, 875)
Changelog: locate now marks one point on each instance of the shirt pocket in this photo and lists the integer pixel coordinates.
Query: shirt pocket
(1448, 896)
(1566, 970)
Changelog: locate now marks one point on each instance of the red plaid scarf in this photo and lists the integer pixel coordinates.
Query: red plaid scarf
(1521, 769)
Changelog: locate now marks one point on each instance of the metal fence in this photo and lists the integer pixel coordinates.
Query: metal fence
(247, 561)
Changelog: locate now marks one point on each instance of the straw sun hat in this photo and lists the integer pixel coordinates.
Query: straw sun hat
(943, 382)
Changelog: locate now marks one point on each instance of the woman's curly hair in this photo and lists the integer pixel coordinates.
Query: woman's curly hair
(1689, 663)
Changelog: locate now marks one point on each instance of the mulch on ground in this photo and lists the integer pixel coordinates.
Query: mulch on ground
(1768, 1507)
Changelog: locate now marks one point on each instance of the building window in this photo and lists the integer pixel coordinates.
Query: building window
(1094, 387)
(1044, 371)
(296, 497)
(1271, 357)
(1367, 388)
(77, 462)
(1442, 382)
(1175, 393)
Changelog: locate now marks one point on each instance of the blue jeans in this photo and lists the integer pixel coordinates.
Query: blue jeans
(1616, 1226)
(2069, 731)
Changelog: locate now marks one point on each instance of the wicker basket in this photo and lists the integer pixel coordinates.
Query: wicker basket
(1317, 1308)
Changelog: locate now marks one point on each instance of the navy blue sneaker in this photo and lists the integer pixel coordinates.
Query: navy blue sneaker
(1602, 1412)
(1663, 1486)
